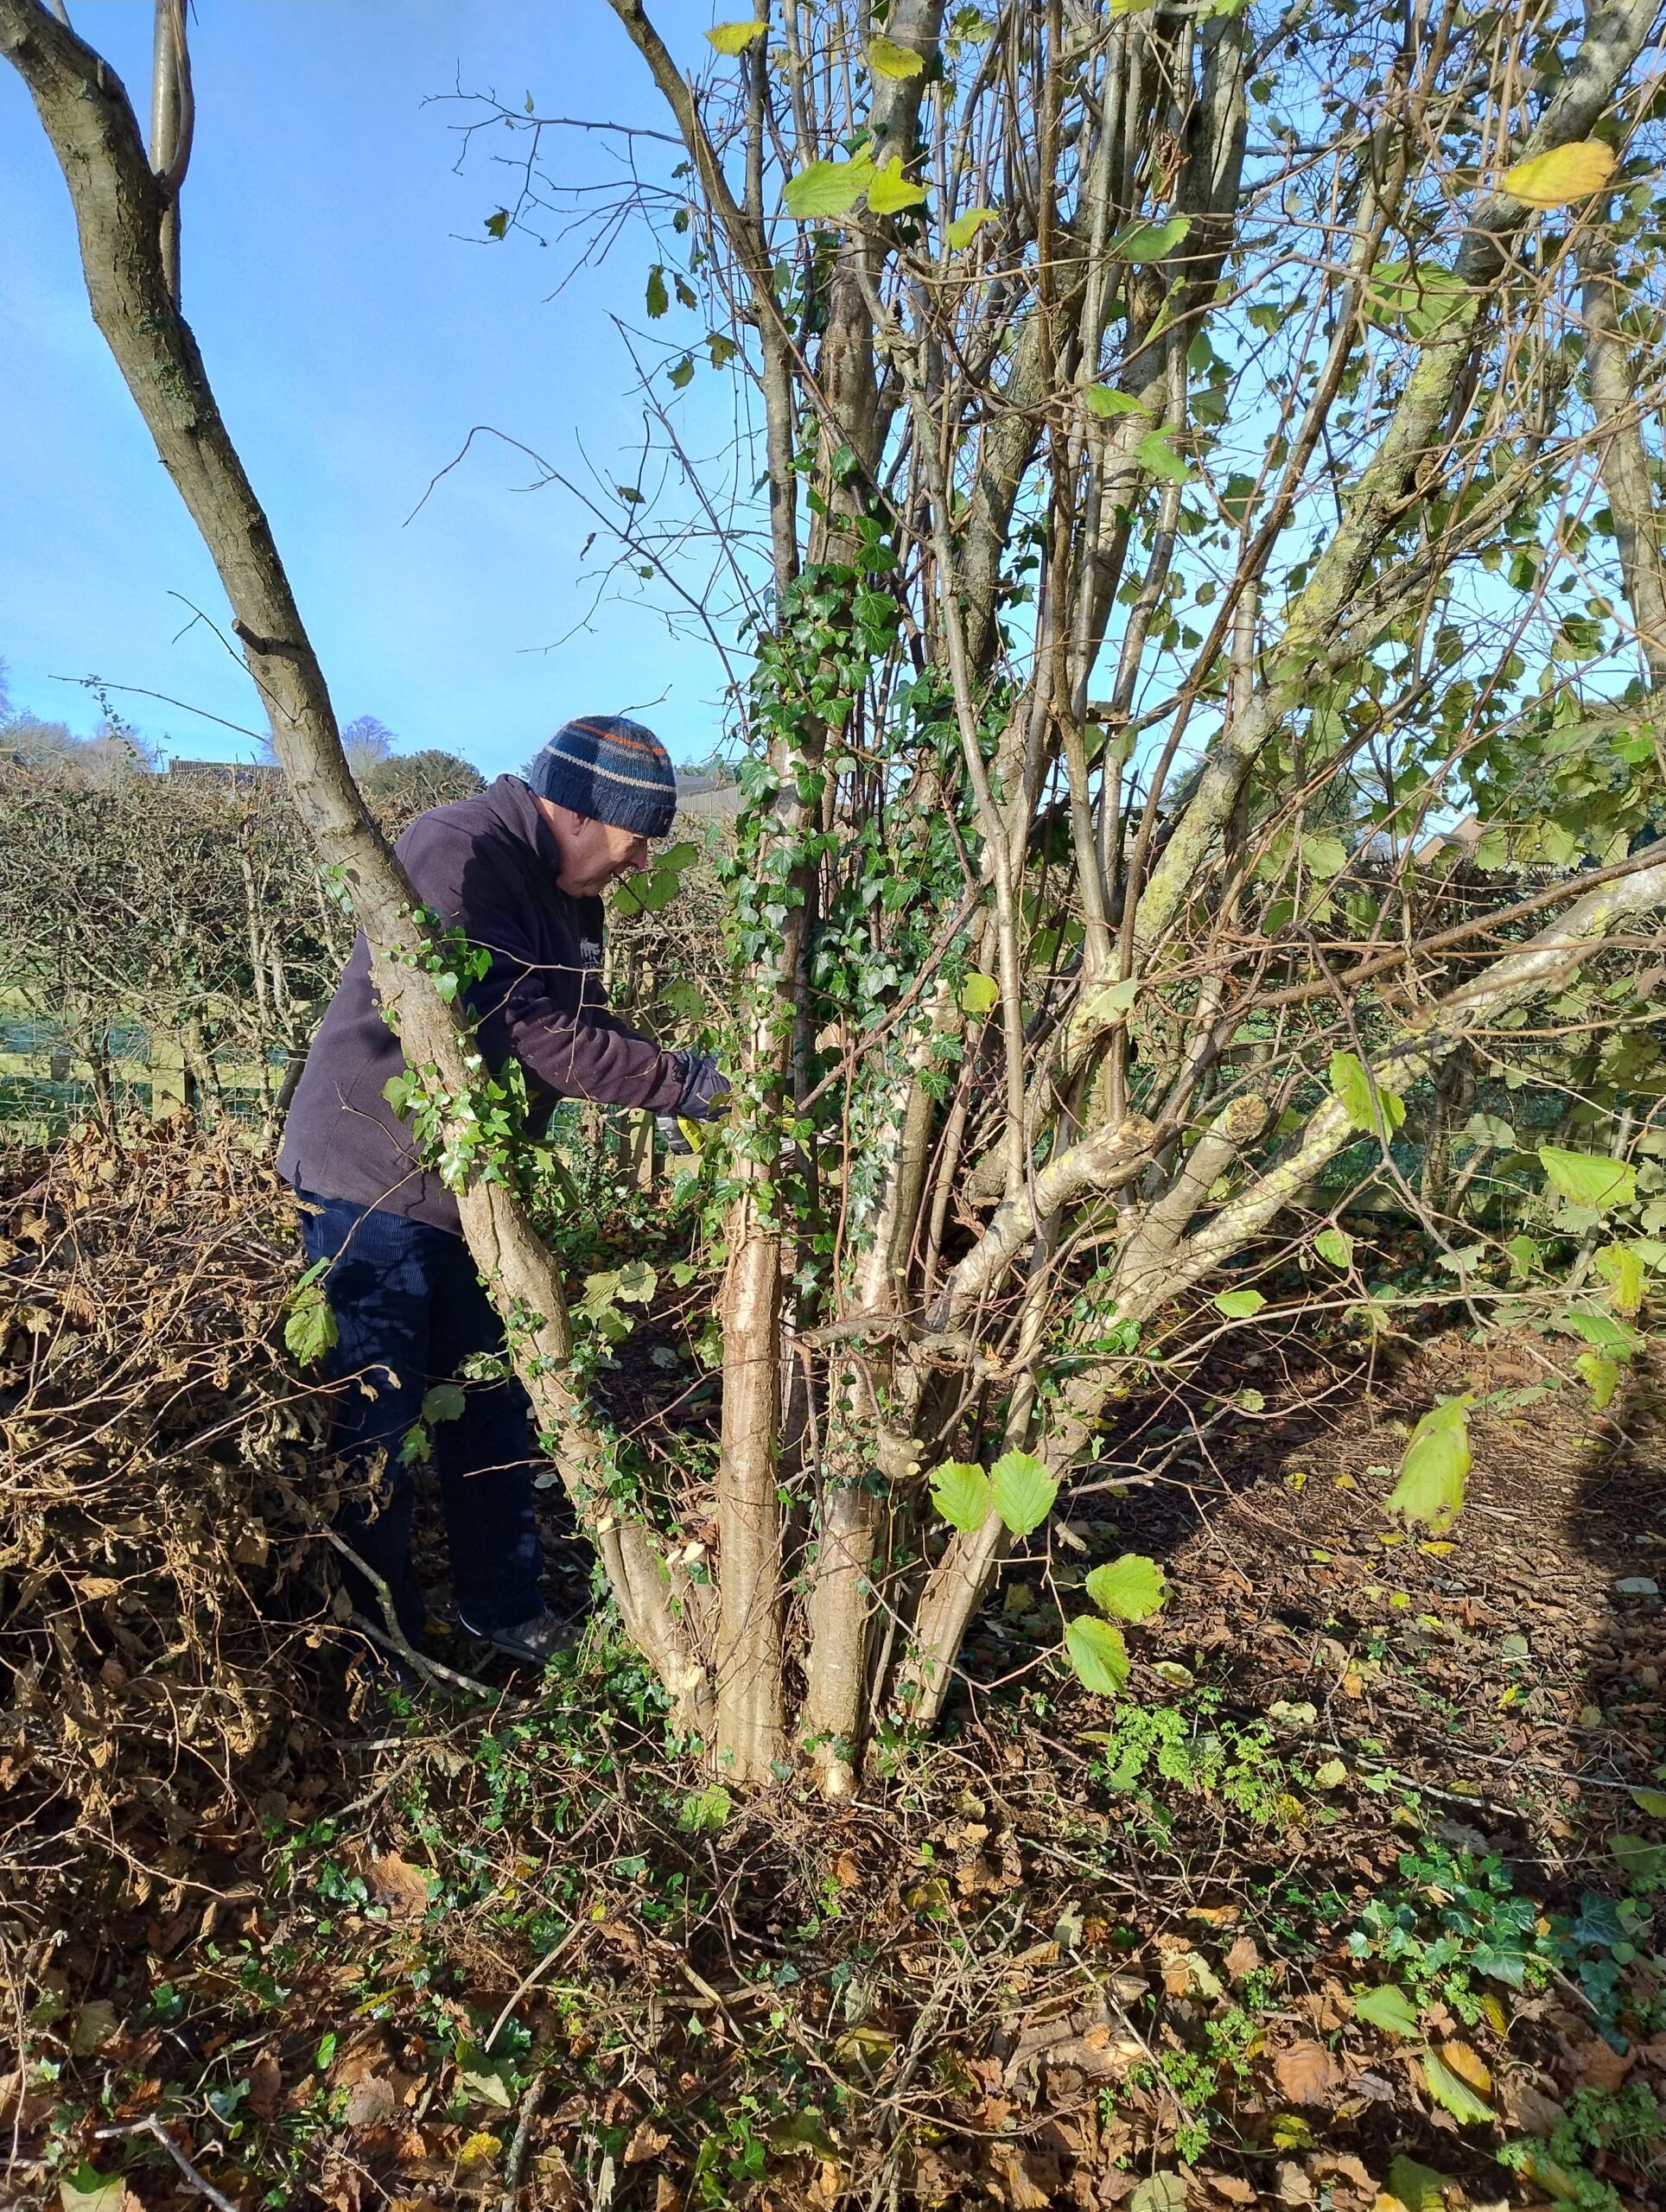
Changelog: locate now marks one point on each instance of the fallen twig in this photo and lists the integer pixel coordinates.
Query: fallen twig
(517, 2157)
(151, 2125)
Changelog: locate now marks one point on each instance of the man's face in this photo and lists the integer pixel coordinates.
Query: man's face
(592, 853)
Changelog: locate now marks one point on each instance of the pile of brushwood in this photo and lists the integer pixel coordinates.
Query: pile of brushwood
(1351, 1900)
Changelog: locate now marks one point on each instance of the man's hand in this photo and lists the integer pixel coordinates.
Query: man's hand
(705, 1087)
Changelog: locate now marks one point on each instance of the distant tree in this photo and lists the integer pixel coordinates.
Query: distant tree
(408, 784)
(5, 691)
(111, 755)
(366, 741)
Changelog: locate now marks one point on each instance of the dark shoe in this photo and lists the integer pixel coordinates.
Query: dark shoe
(537, 1641)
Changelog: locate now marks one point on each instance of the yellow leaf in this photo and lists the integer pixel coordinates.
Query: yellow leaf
(1465, 2060)
(1344, 1482)
(1437, 1551)
(887, 59)
(965, 228)
(479, 2145)
(1565, 173)
(1496, 2019)
(734, 38)
(889, 191)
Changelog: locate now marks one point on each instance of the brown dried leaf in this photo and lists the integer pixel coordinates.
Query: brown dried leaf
(1307, 2074)
(1019, 2191)
(1597, 2066)
(372, 2102)
(397, 1884)
(646, 2143)
(265, 2085)
(1242, 1958)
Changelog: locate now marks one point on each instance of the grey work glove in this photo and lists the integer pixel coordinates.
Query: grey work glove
(705, 1087)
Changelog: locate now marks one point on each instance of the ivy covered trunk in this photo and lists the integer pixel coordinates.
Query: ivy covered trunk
(1205, 597)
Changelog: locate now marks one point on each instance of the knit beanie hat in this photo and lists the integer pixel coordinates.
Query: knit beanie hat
(610, 770)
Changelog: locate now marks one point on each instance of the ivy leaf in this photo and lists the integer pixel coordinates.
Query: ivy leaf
(1360, 1098)
(1387, 2008)
(1564, 174)
(1105, 399)
(1336, 1246)
(1021, 1491)
(1096, 1651)
(734, 38)
(1590, 1179)
(1239, 1305)
(828, 188)
(887, 59)
(889, 191)
(965, 228)
(705, 1812)
(1132, 1587)
(1652, 1802)
(978, 993)
(1145, 241)
(1155, 452)
(960, 1491)
(659, 299)
(1452, 2090)
(1438, 1459)
(1602, 1375)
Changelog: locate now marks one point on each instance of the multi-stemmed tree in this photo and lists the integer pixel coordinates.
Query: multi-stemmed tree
(1200, 753)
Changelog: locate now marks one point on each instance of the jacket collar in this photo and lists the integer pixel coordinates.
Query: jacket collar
(513, 804)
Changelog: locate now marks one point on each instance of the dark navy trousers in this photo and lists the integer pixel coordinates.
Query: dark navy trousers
(410, 1307)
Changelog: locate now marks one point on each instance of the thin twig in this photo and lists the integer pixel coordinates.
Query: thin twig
(512, 2163)
(151, 2125)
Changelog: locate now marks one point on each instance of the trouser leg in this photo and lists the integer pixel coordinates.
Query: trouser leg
(380, 1286)
(483, 1461)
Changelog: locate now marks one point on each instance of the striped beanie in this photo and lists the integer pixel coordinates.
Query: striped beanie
(609, 769)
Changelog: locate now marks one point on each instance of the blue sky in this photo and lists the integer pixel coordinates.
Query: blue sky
(353, 337)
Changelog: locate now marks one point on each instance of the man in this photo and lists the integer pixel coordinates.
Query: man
(520, 869)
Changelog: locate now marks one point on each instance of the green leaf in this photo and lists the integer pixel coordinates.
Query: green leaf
(88, 2190)
(1452, 2090)
(1420, 2188)
(1021, 1491)
(1622, 1266)
(1652, 1802)
(735, 38)
(1239, 1305)
(1132, 1587)
(1602, 1375)
(705, 1812)
(978, 993)
(960, 1491)
(1105, 399)
(497, 226)
(1098, 1654)
(1159, 2192)
(1145, 241)
(1336, 1246)
(1387, 2008)
(889, 191)
(1590, 1179)
(680, 375)
(310, 1328)
(482, 2078)
(659, 299)
(1361, 1098)
(1331, 1775)
(1437, 1462)
(887, 59)
(828, 188)
(1155, 452)
(1613, 1339)
(965, 228)
(1324, 856)
(636, 1283)
(445, 1401)
(1108, 1005)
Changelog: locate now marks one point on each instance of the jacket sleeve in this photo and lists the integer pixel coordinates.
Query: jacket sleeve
(549, 1022)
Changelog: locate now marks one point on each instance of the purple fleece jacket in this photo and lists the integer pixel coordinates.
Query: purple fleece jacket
(486, 865)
